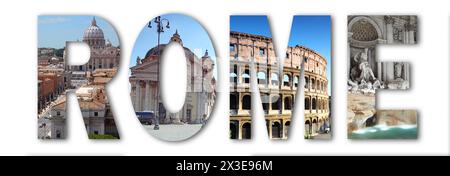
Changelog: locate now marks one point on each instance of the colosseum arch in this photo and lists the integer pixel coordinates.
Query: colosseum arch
(308, 125)
(277, 130)
(246, 102)
(234, 74)
(234, 129)
(318, 85)
(246, 75)
(306, 82)
(276, 102)
(286, 127)
(262, 78)
(314, 104)
(315, 125)
(288, 102)
(307, 103)
(296, 80)
(265, 100)
(287, 80)
(234, 101)
(246, 130)
(274, 79)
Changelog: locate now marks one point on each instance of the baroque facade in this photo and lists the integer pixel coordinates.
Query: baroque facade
(277, 87)
(200, 90)
(366, 74)
(365, 33)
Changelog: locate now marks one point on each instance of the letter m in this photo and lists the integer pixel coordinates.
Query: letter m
(254, 64)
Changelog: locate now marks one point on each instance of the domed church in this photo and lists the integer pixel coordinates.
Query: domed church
(103, 54)
(200, 88)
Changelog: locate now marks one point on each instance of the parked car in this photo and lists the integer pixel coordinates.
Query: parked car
(146, 117)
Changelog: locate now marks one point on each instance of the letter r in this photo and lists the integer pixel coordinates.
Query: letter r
(56, 77)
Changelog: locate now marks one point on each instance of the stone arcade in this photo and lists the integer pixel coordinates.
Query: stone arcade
(278, 92)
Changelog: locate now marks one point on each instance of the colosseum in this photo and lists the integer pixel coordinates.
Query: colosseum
(278, 91)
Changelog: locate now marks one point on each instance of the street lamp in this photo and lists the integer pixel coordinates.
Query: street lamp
(159, 29)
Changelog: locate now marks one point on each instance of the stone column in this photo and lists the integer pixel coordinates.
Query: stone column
(349, 59)
(405, 38)
(390, 71)
(270, 104)
(406, 68)
(147, 96)
(155, 97)
(138, 96)
(239, 74)
(411, 36)
(240, 98)
(379, 71)
(152, 97)
(270, 129)
(133, 93)
(389, 29)
(240, 130)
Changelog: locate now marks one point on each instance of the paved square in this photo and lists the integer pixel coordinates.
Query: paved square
(172, 132)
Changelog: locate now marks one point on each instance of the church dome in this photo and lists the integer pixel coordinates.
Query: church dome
(93, 32)
(155, 51)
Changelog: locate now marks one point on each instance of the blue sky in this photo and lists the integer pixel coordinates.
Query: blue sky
(54, 31)
(311, 31)
(194, 37)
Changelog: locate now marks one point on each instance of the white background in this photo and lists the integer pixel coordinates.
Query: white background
(429, 93)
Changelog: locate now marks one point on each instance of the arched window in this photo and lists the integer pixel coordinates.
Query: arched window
(233, 74)
(314, 104)
(318, 85)
(286, 80)
(274, 79)
(287, 103)
(234, 129)
(246, 76)
(233, 77)
(276, 130)
(234, 104)
(313, 83)
(265, 100)
(306, 82)
(276, 102)
(247, 102)
(319, 104)
(307, 104)
(261, 77)
(246, 131)
(296, 81)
